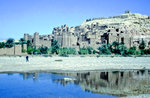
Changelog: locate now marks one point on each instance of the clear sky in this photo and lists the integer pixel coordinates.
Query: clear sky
(28, 16)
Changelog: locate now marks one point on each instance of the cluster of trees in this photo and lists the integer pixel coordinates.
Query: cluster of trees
(8, 44)
(106, 49)
(55, 49)
(119, 49)
(85, 51)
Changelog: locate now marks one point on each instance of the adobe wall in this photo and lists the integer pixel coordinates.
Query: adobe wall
(15, 50)
(7, 51)
(45, 43)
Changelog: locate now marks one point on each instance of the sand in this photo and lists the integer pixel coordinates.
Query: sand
(19, 64)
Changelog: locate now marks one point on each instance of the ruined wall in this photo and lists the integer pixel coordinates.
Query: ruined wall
(45, 43)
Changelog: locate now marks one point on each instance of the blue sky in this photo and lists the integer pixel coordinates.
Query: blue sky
(28, 16)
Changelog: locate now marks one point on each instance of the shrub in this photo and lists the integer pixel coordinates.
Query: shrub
(30, 50)
(55, 46)
(104, 49)
(142, 45)
(132, 50)
(83, 51)
(64, 55)
(43, 50)
(10, 43)
(2, 45)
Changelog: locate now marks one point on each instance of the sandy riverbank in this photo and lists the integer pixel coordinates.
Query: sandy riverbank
(19, 64)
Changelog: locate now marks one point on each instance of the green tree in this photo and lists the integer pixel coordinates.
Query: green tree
(72, 51)
(142, 45)
(10, 43)
(94, 51)
(2, 45)
(44, 50)
(55, 46)
(66, 51)
(30, 50)
(104, 49)
(132, 50)
(123, 50)
(90, 50)
(138, 52)
(83, 51)
(116, 47)
(22, 41)
(29, 43)
(146, 51)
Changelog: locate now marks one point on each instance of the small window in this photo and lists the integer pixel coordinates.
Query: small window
(121, 32)
(117, 30)
(122, 40)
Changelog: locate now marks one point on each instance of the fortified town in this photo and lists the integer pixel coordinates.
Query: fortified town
(128, 28)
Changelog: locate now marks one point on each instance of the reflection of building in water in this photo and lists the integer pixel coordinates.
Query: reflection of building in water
(33, 76)
(114, 83)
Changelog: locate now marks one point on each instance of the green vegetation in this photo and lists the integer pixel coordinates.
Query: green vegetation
(43, 50)
(30, 50)
(22, 41)
(85, 51)
(2, 45)
(132, 50)
(123, 50)
(106, 49)
(120, 49)
(142, 45)
(115, 47)
(9, 43)
(63, 51)
(55, 47)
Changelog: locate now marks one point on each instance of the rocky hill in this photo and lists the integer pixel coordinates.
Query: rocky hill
(140, 23)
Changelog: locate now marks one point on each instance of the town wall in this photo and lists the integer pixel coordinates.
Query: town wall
(15, 50)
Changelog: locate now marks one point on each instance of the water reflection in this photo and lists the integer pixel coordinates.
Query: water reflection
(124, 83)
(116, 83)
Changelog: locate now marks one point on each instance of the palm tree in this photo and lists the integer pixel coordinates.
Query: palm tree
(2, 44)
(10, 42)
(55, 46)
(22, 41)
(29, 43)
(116, 45)
(142, 45)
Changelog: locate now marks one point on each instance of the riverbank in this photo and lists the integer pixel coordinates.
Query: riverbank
(19, 64)
(70, 55)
